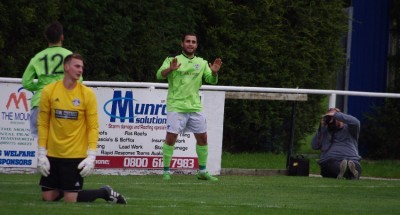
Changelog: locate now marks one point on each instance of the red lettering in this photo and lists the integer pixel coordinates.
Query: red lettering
(21, 97)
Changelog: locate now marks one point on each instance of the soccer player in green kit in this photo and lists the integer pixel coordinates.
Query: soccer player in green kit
(185, 74)
(47, 67)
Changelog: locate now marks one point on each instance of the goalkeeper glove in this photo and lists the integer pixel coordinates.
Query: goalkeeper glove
(43, 162)
(87, 165)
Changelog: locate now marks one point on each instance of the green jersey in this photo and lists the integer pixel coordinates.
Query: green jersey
(184, 83)
(47, 66)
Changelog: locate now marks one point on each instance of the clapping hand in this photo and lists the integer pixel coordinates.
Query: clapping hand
(215, 66)
(174, 64)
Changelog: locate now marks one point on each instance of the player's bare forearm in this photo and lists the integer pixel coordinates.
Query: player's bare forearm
(166, 72)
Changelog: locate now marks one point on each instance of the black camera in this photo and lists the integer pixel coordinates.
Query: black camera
(328, 120)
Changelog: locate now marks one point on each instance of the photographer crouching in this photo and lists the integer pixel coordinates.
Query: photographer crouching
(337, 139)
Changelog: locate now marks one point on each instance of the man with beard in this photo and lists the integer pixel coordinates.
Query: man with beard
(185, 73)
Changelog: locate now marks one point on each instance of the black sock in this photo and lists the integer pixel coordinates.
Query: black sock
(91, 195)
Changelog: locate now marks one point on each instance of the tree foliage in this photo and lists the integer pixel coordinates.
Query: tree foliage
(263, 43)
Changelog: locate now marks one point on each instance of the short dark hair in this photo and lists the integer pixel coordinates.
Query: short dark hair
(53, 32)
(188, 34)
(72, 56)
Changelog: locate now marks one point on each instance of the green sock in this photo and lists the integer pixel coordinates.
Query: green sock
(168, 151)
(202, 154)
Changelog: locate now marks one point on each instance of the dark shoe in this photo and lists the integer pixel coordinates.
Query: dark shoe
(114, 197)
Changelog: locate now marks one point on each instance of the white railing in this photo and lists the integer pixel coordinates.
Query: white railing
(332, 93)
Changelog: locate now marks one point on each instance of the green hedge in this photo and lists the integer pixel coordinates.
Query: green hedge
(264, 43)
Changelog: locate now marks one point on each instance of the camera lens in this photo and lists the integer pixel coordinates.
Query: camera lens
(327, 119)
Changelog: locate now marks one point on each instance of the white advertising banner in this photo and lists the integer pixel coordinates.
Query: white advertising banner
(132, 128)
(17, 148)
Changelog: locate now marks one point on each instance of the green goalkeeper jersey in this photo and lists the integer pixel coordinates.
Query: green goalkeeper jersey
(184, 83)
(47, 66)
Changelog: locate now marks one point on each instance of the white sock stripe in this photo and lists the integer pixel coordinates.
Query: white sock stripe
(113, 193)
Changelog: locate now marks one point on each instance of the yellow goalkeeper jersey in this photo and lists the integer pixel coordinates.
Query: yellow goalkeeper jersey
(68, 120)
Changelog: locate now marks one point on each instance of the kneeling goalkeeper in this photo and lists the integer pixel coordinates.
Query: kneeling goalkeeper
(68, 134)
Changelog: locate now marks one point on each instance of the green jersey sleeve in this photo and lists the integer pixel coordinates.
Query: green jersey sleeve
(165, 65)
(208, 76)
(47, 66)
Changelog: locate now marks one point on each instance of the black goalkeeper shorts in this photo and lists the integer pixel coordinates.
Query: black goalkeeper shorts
(64, 175)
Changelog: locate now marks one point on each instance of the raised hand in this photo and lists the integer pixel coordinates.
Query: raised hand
(216, 66)
(174, 64)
